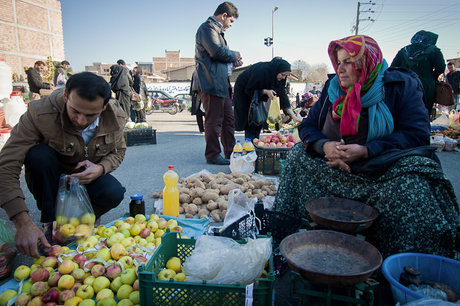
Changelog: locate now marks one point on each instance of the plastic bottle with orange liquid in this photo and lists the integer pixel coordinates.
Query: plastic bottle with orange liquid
(171, 193)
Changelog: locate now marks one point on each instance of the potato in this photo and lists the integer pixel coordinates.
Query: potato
(203, 213)
(184, 198)
(239, 181)
(191, 209)
(215, 214)
(222, 204)
(195, 182)
(184, 190)
(209, 195)
(197, 192)
(197, 201)
(212, 205)
(181, 209)
(259, 196)
(189, 216)
(259, 183)
(205, 178)
(223, 213)
(225, 189)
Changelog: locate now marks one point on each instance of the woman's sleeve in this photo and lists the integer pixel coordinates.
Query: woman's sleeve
(439, 64)
(282, 94)
(410, 116)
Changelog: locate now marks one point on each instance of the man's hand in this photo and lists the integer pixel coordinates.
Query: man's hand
(91, 172)
(239, 60)
(28, 235)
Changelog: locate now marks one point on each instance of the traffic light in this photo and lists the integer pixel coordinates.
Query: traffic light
(268, 41)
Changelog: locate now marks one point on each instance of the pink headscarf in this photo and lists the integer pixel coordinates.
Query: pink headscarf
(365, 55)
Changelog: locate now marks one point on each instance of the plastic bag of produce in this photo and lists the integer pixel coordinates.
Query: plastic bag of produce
(74, 214)
(222, 260)
(243, 164)
(274, 115)
(438, 142)
(238, 206)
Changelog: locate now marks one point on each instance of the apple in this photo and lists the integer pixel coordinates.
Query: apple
(129, 220)
(87, 302)
(80, 259)
(135, 229)
(22, 299)
(73, 221)
(162, 223)
(100, 283)
(65, 295)
(85, 292)
(127, 242)
(39, 288)
(104, 293)
(82, 230)
(107, 232)
(66, 230)
(108, 301)
(134, 297)
(53, 279)
(124, 291)
(136, 285)
(89, 280)
(36, 301)
(89, 265)
(145, 232)
(104, 254)
(290, 144)
(116, 284)
(74, 301)
(50, 261)
(97, 270)
(126, 233)
(26, 286)
(40, 275)
(55, 250)
(171, 223)
(117, 251)
(61, 220)
(88, 218)
(159, 233)
(139, 217)
(125, 302)
(128, 276)
(76, 286)
(114, 238)
(180, 277)
(174, 264)
(66, 266)
(154, 217)
(21, 272)
(51, 295)
(79, 275)
(126, 261)
(66, 282)
(166, 274)
(113, 271)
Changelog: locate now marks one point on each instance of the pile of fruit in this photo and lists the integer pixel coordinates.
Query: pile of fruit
(140, 125)
(101, 270)
(278, 140)
(68, 228)
(449, 132)
(172, 270)
(206, 195)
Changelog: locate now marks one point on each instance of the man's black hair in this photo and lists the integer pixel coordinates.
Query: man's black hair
(227, 7)
(89, 86)
(40, 63)
(65, 63)
(121, 62)
(450, 63)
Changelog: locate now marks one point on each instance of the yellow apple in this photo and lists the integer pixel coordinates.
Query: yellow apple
(82, 230)
(67, 230)
(135, 230)
(180, 277)
(139, 217)
(166, 274)
(154, 217)
(74, 221)
(88, 218)
(174, 264)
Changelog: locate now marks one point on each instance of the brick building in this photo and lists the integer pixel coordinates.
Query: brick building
(171, 60)
(30, 30)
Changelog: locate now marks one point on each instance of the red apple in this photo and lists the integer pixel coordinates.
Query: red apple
(51, 295)
(40, 275)
(80, 259)
(113, 271)
(54, 279)
(290, 144)
(55, 250)
(145, 232)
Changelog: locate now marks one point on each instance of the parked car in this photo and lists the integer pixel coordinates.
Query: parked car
(165, 102)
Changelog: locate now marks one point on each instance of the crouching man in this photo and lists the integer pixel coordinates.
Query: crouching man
(75, 131)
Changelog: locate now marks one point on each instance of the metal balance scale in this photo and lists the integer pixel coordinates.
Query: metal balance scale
(329, 264)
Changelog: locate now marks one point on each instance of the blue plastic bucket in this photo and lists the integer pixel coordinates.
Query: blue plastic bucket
(432, 268)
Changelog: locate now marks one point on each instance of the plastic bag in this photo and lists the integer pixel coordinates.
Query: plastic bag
(238, 205)
(438, 142)
(257, 110)
(61, 80)
(243, 164)
(138, 105)
(442, 120)
(74, 214)
(274, 115)
(222, 260)
(13, 110)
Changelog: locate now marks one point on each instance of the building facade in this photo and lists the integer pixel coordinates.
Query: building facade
(171, 60)
(30, 30)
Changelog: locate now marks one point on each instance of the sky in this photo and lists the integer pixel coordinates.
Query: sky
(138, 30)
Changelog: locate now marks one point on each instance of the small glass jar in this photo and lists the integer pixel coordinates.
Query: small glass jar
(136, 205)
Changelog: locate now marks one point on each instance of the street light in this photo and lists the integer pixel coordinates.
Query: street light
(273, 39)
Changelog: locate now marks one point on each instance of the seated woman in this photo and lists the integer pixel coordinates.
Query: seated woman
(265, 79)
(367, 139)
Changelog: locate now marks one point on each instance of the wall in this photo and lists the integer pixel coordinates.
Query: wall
(30, 30)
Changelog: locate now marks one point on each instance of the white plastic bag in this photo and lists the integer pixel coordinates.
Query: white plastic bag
(438, 142)
(238, 205)
(243, 164)
(442, 120)
(222, 260)
(13, 110)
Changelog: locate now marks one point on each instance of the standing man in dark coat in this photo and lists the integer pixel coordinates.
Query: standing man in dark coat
(35, 80)
(121, 82)
(453, 78)
(214, 66)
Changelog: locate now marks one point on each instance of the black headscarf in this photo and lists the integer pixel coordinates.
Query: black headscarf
(420, 42)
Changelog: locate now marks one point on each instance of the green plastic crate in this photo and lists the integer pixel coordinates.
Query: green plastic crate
(269, 160)
(156, 292)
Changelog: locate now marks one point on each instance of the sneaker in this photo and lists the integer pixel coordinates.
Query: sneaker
(219, 161)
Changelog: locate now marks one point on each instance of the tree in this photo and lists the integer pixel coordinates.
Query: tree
(311, 73)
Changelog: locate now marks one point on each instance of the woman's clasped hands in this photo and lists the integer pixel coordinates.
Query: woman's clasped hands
(340, 155)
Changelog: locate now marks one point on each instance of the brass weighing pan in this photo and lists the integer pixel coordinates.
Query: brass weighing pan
(341, 214)
(330, 257)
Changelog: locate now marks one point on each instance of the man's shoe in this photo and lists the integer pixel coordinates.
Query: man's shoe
(219, 161)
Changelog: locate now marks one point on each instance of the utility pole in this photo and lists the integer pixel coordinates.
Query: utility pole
(273, 45)
(358, 12)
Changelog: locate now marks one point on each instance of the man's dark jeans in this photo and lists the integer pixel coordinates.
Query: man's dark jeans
(42, 172)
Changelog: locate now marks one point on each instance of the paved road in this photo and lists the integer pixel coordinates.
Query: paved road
(180, 144)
